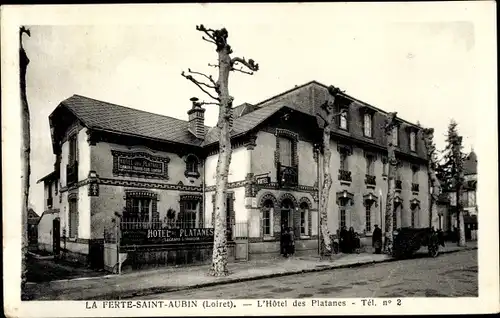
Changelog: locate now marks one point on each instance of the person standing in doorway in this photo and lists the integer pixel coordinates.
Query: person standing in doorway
(377, 239)
(291, 242)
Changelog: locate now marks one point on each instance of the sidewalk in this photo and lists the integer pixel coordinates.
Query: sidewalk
(161, 280)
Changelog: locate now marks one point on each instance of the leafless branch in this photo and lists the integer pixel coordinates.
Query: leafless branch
(209, 77)
(199, 84)
(250, 63)
(208, 32)
(241, 70)
(209, 103)
(213, 65)
(204, 38)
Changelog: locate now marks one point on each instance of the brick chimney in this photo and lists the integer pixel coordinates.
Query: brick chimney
(196, 119)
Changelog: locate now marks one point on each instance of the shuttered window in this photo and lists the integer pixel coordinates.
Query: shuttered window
(368, 125)
(73, 218)
(286, 151)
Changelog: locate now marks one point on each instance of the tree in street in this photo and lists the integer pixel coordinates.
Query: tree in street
(327, 115)
(451, 174)
(224, 101)
(430, 147)
(25, 152)
(389, 125)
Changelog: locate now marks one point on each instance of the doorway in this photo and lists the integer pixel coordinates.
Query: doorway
(286, 214)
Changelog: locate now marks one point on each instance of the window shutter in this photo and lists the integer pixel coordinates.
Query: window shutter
(182, 208)
(213, 210)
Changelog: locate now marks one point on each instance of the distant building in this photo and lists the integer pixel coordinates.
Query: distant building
(157, 169)
(32, 227)
(449, 200)
(48, 239)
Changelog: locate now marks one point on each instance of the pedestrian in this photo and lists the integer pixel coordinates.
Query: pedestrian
(352, 240)
(343, 239)
(291, 242)
(284, 241)
(377, 239)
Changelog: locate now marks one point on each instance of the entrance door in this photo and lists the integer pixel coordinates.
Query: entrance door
(56, 236)
(286, 209)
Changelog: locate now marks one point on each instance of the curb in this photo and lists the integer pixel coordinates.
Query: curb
(166, 289)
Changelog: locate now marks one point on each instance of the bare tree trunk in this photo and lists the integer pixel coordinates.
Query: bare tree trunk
(460, 218)
(225, 103)
(25, 155)
(391, 183)
(220, 256)
(326, 244)
(328, 107)
(428, 138)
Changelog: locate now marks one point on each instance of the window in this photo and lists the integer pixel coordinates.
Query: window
(398, 168)
(472, 198)
(285, 145)
(368, 216)
(412, 141)
(140, 209)
(367, 125)
(267, 215)
(395, 136)
(73, 218)
(189, 214)
(343, 160)
(343, 121)
(49, 190)
(72, 155)
(414, 175)
(385, 166)
(304, 219)
(342, 213)
(369, 164)
(464, 199)
(191, 165)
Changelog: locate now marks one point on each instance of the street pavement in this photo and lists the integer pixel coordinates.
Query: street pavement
(448, 275)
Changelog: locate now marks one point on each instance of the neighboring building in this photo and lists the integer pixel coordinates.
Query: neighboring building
(468, 200)
(154, 168)
(32, 228)
(47, 237)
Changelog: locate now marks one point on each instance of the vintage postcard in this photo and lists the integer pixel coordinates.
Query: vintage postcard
(250, 159)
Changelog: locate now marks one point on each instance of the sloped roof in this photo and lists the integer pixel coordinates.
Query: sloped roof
(249, 121)
(51, 176)
(100, 115)
(310, 96)
(470, 164)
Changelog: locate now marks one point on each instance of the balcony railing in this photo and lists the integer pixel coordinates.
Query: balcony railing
(345, 175)
(72, 173)
(370, 180)
(415, 187)
(398, 185)
(49, 203)
(287, 176)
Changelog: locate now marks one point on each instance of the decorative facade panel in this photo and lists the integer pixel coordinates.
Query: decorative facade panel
(139, 164)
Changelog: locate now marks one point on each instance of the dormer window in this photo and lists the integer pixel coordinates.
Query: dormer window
(413, 141)
(192, 167)
(343, 121)
(72, 154)
(395, 136)
(367, 125)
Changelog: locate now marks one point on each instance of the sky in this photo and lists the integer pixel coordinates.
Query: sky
(423, 68)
